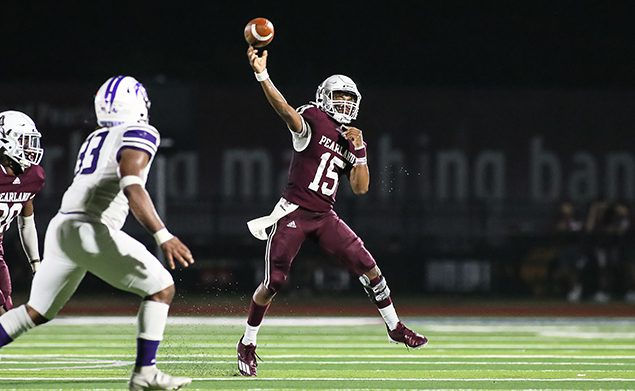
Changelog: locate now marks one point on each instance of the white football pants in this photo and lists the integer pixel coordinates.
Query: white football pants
(73, 247)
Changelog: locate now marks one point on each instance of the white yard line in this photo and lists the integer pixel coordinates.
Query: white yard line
(377, 346)
(416, 356)
(222, 321)
(318, 379)
(436, 324)
(281, 362)
(270, 363)
(566, 337)
(586, 334)
(114, 364)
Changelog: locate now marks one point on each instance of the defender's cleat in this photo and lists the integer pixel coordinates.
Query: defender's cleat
(246, 358)
(156, 380)
(402, 334)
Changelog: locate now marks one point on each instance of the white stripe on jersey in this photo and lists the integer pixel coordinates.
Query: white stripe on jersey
(139, 143)
(142, 137)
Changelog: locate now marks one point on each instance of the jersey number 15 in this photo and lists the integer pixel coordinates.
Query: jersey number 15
(330, 173)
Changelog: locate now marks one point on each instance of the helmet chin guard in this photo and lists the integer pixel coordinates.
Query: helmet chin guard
(341, 110)
(121, 99)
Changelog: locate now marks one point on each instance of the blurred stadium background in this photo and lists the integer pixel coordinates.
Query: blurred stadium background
(500, 143)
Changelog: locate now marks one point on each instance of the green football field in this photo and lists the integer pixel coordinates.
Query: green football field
(334, 353)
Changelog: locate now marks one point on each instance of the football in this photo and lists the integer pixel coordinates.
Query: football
(259, 32)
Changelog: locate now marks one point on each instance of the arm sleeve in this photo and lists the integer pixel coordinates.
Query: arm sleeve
(28, 237)
(141, 137)
(301, 140)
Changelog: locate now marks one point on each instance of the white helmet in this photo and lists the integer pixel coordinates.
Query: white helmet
(121, 99)
(19, 139)
(341, 110)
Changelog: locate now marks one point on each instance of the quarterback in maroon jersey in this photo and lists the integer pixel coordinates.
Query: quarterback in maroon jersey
(21, 178)
(326, 148)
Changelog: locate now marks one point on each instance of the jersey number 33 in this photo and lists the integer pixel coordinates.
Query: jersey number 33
(89, 154)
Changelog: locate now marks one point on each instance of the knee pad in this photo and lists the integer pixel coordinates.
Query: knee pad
(377, 293)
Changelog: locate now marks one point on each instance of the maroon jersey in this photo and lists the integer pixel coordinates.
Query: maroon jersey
(17, 190)
(318, 161)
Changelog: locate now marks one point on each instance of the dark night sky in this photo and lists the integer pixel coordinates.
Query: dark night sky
(550, 44)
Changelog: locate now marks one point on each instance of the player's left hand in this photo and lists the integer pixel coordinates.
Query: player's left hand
(175, 250)
(354, 135)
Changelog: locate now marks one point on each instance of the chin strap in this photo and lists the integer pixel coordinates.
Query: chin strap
(12, 164)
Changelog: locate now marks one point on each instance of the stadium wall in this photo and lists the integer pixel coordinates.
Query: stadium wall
(464, 182)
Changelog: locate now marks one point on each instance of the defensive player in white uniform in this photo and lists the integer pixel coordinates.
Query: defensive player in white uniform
(85, 236)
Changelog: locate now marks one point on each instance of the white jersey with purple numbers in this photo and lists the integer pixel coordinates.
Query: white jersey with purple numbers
(95, 189)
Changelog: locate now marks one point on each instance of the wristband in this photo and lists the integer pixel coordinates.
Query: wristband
(360, 156)
(360, 161)
(130, 180)
(262, 76)
(162, 236)
(360, 152)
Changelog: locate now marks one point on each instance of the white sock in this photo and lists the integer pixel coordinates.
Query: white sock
(152, 318)
(16, 322)
(251, 333)
(390, 316)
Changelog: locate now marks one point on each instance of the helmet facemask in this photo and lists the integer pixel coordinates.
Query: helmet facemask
(31, 153)
(339, 98)
(342, 110)
(20, 140)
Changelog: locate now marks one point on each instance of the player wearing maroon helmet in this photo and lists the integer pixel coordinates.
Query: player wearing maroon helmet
(20, 180)
(325, 148)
